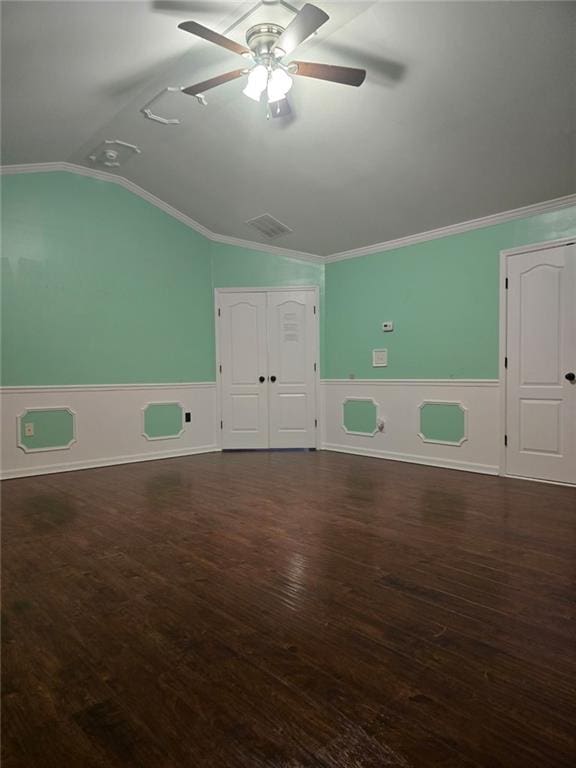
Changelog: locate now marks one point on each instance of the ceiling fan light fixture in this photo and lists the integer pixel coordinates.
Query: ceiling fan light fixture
(268, 43)
(279, 83)
(257, 81)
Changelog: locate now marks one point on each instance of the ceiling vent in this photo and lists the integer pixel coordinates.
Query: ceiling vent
(268, 226)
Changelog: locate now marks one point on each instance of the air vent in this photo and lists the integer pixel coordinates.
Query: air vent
(269, 226)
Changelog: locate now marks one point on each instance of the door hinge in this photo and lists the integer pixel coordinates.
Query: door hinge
(221, 424)
(220, 368)
(314, 308)
(506, 283)
(316, 423)
(505, 439)
(219, 312)
(314, 366)
(505, 362)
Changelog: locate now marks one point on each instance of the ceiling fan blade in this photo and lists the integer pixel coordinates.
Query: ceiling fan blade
(214, 37)
(205, 85)
(280, 108)
(304, 24)
(343, 75)
(380, 67)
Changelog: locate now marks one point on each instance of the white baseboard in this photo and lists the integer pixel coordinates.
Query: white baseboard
(73, 466)
(539, 480)
(463, 466)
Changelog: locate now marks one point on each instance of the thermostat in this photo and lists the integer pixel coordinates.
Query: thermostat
(387, 325)
(379, 358)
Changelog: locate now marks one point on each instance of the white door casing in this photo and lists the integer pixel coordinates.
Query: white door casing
(270, 334)
(292, 363)
(243, 361)
(540, 350)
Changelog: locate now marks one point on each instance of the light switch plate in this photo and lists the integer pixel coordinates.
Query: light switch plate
(379, 358)
(387, 326)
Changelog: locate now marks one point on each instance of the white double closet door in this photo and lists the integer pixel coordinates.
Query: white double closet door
(268, 356)
(541, 364)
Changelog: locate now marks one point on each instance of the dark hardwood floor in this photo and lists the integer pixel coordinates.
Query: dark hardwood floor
(287, 610)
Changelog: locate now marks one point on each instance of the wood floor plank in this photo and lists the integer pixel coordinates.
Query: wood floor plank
(295, 610)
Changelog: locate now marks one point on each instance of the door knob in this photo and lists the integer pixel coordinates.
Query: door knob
(570, 376)
(262, 379)
(272, 379)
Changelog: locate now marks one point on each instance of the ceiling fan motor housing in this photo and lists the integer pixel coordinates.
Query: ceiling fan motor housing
(261, 39)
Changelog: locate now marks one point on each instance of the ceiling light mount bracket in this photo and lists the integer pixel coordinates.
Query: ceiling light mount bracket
(147, 108)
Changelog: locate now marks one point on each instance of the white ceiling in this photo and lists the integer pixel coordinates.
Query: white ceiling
(468, 109)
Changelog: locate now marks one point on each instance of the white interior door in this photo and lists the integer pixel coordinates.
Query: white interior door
(268, 357)
(541, 352)
(243, 360)
(292, 362)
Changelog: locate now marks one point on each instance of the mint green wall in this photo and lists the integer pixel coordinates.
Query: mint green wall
(360, 416)
(444, 422)
(442, 295)
(53, 428)
(233, 266)
(100, 287)
(163, 420)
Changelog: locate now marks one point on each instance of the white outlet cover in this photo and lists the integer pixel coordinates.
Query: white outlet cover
(379, 358)
(387, 326)
(29, 429)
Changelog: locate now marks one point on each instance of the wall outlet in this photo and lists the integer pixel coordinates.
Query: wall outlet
(29, 429)
(387, 326)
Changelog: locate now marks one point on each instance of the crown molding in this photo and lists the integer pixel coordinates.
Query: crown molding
(455, 229)
(388, 245)
(94, 173)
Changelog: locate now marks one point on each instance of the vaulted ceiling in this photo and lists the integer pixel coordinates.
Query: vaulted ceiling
(468, 109)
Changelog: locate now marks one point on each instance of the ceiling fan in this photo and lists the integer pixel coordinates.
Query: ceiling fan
(268, 44)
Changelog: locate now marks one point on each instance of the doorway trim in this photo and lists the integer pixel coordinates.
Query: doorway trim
(503, 341)
(263, 289)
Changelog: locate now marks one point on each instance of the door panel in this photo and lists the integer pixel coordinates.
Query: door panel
(292, 411)
(540, 294)
(292, 356)
(540, 426)
(243, 356)
(541, 349)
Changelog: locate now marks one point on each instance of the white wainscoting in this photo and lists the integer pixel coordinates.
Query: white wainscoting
(108, 425)
(399, 407)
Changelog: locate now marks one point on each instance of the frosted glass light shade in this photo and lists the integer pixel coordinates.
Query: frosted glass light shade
(257, 80)
(279, 84)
